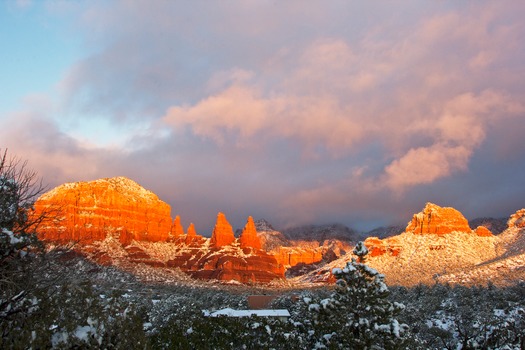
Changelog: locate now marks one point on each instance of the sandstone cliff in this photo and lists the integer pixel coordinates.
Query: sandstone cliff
(437, 220)
(89, 211)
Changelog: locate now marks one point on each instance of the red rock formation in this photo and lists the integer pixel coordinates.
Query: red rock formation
(517, 220)
(228, 264)
(249, 238)
(89, 211)
(483, 231)
(291, 256)
(437, 220)
(222, 233)
(378, 247)
(139, 256)
(192, 238)
(176, 229)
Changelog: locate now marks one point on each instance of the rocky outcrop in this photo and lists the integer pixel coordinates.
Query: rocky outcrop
(437, 220)
(229, 263)
(89, 211)
(249, 238)
(176, 229)
(222, 233)
(517, 220)
(192, 238)
(482, 231)
(291, 256)
(377, 247)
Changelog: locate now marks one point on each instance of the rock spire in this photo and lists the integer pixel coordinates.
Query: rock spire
(222, 233)
(249, 238)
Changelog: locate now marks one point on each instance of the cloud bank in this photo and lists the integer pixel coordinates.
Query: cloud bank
(296, 112)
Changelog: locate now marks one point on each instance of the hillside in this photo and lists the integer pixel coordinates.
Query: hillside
(455, 254)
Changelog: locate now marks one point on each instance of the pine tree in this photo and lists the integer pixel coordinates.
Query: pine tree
(358, 315)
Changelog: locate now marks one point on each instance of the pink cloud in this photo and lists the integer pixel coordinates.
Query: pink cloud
(297, 111)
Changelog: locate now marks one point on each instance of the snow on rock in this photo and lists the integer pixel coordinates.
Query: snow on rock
(89, 211)
(409, 259)
(517, 220)
(438, 220)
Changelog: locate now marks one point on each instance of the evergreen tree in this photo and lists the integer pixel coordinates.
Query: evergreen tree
(358, 315)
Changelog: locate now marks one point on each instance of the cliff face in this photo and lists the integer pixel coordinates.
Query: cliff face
(89, 211)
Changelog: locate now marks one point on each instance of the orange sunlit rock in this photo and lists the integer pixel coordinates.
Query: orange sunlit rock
(249, 238)
(89, 211)
(483, 231)
(176, 229)
(292, 256)
(378, 247)
(222, 233)
(192, 237)
(437, 220)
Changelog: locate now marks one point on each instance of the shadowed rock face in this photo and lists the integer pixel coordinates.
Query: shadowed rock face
(89, 211)
(231, 263)
(437, 220)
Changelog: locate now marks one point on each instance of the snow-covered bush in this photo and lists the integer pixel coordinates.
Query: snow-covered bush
(460, 317)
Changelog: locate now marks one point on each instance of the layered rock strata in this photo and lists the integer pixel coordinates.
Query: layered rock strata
(438, 220)
(89, 211)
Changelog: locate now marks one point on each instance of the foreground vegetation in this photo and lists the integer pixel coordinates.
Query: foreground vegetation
(51, 298)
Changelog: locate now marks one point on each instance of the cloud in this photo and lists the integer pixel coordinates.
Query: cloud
(296, 112)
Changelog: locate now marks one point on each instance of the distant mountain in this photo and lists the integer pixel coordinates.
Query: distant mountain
(270, 238)
(320, 233)
(384, 232)
(307, 247)
(495, 225)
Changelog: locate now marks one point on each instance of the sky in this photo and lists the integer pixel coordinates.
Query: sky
(298, 112)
